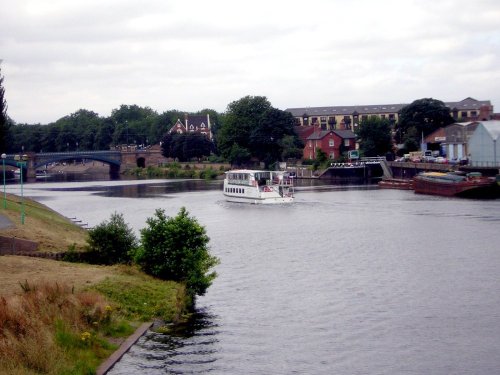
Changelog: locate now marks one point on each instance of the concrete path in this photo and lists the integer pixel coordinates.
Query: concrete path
(5, 222)
(124, 347)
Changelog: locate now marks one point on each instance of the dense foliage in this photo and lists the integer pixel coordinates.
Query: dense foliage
(252, 128)
(184, 147)
(419, 119)
(111, 242)
(374, 136)
(4, 120)
(87, 131)
(177, 249)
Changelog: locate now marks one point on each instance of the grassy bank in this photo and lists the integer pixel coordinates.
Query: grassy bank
(180, 170)
(52, 231)
(67, 318)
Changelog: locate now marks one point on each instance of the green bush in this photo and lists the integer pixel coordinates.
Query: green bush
(111, 242)
(208, 174)
(177, 249)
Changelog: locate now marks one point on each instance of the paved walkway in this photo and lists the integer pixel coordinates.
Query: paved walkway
(5, 222)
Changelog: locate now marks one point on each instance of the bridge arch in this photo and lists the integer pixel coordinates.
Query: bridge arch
(59, 158)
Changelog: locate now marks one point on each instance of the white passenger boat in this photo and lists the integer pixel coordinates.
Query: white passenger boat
(258, 187)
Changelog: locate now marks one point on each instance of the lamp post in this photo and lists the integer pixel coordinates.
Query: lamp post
(4, 193)
(21, 165)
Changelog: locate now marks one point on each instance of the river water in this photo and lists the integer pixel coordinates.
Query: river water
(352, 280)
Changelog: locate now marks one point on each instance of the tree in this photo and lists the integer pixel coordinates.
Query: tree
(321, 159)
(185, 146)
(252, 127)
(293, 147)
(111, 242)
(4, 120)
(133, 124)
(375, 136)
(421, 118)
(177, 249)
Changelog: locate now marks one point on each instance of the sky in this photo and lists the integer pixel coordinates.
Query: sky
(60, 56)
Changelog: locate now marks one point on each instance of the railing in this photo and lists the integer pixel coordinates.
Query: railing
(373, 159)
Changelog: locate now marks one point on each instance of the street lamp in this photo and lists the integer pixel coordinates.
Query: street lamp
(21, 165)
(4, 193)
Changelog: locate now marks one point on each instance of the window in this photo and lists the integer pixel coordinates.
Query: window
(364, 117)
(331, 143)
(346, 143)
(463, 114)
(332, 155)
(310, 144)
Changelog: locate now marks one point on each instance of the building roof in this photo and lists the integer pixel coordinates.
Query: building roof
(437, 135)
(197, 120)
(344, 134)
(465, 104)
(492, 127)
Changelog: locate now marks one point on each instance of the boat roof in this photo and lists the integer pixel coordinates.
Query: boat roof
(250, 171)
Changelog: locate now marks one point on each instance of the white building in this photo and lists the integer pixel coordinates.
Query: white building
(484, 145)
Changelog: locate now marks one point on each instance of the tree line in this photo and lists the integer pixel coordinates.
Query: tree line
(86, 130)
(251, 129)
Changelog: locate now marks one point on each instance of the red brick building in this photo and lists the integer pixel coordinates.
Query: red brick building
(332, 142)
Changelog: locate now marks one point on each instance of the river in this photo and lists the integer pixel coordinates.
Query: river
(352, 280)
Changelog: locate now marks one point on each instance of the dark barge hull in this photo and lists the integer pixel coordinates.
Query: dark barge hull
(482, 189)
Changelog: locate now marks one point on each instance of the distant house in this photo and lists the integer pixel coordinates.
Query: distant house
(348, 117)
(452, 140)
(332, 142)
(484, 144)
(193, 124)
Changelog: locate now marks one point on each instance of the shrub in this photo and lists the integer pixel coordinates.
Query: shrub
(177, 249)
(208, 174)
(111, 242)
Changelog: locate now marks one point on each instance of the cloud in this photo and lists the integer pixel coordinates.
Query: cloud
(61, 56)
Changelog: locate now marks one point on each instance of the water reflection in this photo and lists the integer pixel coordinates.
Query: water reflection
(189, 347)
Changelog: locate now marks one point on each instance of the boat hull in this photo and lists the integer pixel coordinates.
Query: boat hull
(258, 200)
(474, 188)
(257, 187)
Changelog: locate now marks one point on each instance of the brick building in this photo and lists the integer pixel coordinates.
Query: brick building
(332, 142)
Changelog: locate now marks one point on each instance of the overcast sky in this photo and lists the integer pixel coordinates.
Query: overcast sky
(60, 56)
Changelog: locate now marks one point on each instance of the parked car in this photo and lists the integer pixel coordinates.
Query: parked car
(441, 159)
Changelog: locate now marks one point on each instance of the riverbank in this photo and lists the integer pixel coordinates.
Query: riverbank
(59, 317)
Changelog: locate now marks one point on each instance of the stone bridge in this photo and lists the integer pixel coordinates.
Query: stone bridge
(30, 162)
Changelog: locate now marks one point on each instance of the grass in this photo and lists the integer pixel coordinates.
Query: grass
(52, 231)
(52, 329)
(67, 318)
(57, 328)
(142, 297)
